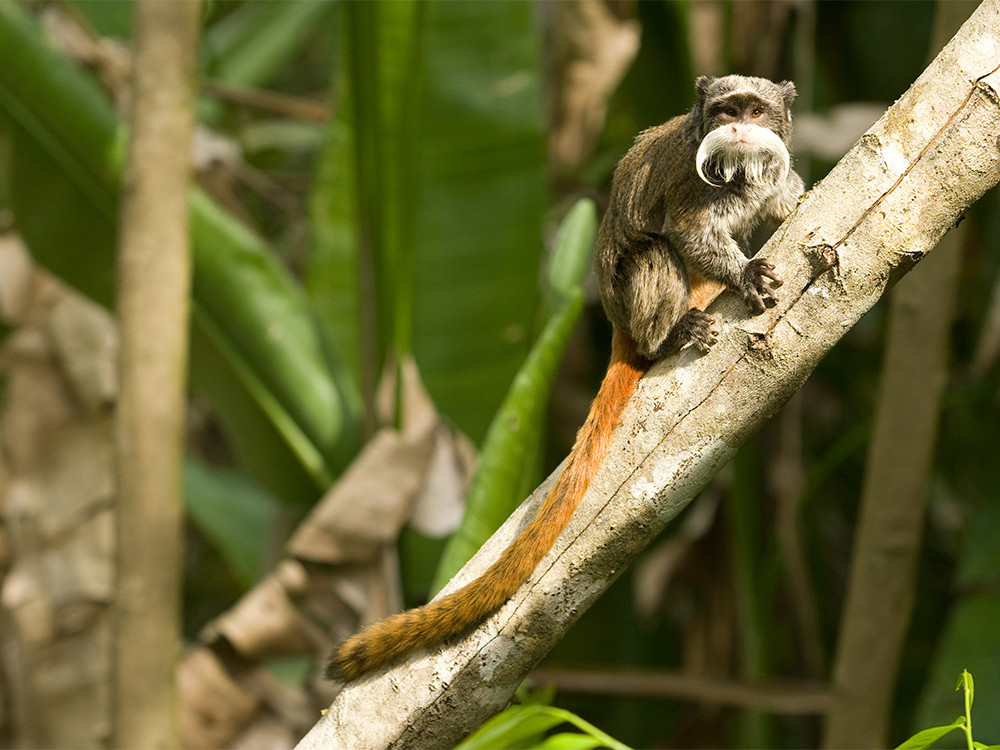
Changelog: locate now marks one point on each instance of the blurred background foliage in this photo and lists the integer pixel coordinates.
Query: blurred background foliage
(384, 181)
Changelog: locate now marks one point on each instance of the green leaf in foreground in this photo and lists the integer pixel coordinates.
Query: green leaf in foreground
(525, 726)
(927, 737)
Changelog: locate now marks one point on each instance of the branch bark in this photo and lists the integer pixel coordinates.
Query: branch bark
(154, 282)
(884, 206)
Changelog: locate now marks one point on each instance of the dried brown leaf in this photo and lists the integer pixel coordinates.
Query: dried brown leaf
(56, 515)
(214, 707)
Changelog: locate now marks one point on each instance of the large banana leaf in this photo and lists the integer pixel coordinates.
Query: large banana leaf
(357, 278)
(429, 198)
(478, 222)
(289, 414)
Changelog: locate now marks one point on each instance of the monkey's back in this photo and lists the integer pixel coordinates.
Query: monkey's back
(643, 289)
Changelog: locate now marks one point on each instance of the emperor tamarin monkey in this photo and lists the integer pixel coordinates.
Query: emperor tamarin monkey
(684, 201)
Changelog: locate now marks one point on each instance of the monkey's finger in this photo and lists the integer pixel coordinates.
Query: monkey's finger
(767, 286)
(704, 342)
(767, 272)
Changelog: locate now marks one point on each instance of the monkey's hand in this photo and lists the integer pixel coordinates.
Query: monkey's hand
(758, 281)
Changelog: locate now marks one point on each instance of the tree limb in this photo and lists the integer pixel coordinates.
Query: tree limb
(886, 204)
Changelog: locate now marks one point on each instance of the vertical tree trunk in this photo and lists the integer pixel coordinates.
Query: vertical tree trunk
(876, 615)
(880, 592)
(154, 281)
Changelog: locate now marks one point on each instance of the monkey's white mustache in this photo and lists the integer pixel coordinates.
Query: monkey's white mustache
(748, 148)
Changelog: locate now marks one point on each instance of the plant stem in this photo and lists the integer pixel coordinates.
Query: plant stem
(967, 727)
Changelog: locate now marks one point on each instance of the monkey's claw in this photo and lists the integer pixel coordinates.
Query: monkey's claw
(696, 327)
(759, 281)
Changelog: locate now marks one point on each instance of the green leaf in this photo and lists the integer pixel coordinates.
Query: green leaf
(234, 513)
(517, 726)
(62, 158)
(605, 739)
(262, 435)
(524, 726)
(262, 327)
(569, 741)
(516, 430)
(928, 737)
(477, 228)
(250, 45)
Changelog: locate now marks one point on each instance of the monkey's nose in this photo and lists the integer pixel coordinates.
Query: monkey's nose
(742, 134)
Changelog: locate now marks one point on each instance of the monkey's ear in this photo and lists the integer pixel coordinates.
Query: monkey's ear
(701, 86)
(787, 91)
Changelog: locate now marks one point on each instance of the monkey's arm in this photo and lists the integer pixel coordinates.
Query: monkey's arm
(714, 256)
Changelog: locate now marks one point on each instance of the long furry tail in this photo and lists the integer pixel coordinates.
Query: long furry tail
(389, 639)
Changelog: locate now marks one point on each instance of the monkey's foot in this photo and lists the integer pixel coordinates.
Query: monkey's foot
(694, 327)
(759, 281)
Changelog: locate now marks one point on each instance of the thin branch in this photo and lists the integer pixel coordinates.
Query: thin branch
(884, 206)
(782, 697)
(154, 281)
(273, 102)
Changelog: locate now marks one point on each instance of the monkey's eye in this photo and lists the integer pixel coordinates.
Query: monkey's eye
(730, 112)
(756, 113)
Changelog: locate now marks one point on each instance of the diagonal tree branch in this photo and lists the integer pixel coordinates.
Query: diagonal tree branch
(885, 205)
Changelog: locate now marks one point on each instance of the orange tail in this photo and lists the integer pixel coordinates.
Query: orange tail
(440, 619)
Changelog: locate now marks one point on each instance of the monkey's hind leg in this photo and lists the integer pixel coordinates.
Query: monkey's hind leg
(695, 326)
(656, 304)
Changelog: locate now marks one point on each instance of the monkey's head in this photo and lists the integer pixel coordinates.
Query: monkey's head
(743, 126)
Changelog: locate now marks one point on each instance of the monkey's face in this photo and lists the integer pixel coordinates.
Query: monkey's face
(741, 139)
